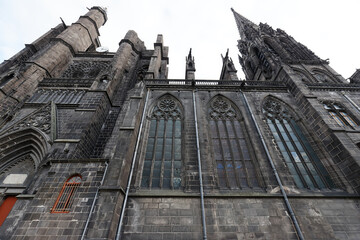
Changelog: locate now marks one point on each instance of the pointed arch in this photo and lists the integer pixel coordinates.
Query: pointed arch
(166, 96)
(301, 159)
(304, 75)
(342, 116)
(250, 70)
(260, 61)
(22, 147)
(276, 48)
(163, 156)
(66, 196)
(323, 76)
(233, 153)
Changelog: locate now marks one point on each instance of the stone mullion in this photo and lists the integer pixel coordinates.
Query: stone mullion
(172, 154)
(163, 155)
(299, 154)
(51, 95)
(289, 153)
(44, 94)
(67, 96)
(335, 116)
(241, 154)
(70, 96)
(77, 96)
(154, 153)
(347, 117)
(222, 154)
(238, 181)
(62, 96)
(312, 161)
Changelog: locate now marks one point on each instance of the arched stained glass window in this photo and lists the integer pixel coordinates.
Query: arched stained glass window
(339, 114)
(162, 165)
(234, 164)
(66, 197)
(301, 160)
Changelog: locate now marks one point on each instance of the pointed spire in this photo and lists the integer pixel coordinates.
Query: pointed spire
(190, 57)
(244, 25)
(228, 71)
(190, 67)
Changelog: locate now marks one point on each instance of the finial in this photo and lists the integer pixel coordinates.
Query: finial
(63, 23)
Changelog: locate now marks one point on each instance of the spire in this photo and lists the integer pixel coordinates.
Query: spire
(190, 67)
(245, 26)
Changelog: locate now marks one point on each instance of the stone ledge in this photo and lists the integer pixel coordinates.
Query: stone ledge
(66, 140)
(171, 193)
(89, 160)
(25, 196)
(127, 128)
(85, 110)
(112, 189)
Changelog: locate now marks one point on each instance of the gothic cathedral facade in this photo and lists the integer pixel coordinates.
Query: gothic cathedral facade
(102, 145)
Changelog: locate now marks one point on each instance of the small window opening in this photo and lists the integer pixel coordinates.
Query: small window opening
(6, 79)
(66, 197)
(104, 79)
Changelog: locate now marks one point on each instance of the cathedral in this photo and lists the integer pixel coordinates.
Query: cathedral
(102, 145)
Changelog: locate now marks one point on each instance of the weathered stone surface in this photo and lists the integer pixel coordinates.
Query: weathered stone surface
(68, 111)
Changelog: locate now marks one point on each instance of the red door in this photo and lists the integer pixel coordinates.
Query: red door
(6, 207)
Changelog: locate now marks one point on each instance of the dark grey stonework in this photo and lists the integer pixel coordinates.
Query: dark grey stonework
(67, 110)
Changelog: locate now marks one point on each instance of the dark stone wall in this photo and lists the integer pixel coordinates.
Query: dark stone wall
(33, 217)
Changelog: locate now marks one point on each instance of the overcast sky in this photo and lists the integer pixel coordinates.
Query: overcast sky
(330, 28)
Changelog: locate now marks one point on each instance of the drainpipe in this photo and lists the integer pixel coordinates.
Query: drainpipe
(94, 202)
(200, 172)
(350, 101)
(118, 233)
(288, 205)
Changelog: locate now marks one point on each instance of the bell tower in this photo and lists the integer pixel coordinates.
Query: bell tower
(264, 51)
(314, 89)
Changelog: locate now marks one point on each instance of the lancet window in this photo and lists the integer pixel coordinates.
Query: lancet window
(301, 159)
(163, 156)
(67, 195)
(234, 162)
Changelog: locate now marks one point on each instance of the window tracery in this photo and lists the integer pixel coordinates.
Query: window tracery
(234, 163)
(339, 114)
(301, 160)
(162, 165)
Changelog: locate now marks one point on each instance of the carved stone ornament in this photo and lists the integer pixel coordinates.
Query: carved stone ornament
(250, 32)
(274, 109)
(266, 28)
(243, 47)
(166, 109)
(86, 69)
(25, 160)
(221, 110)
(40, 119)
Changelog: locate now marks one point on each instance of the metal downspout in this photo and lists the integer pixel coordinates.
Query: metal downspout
(118, 233)
(94, 202)
(288, 205)
(200, 172)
